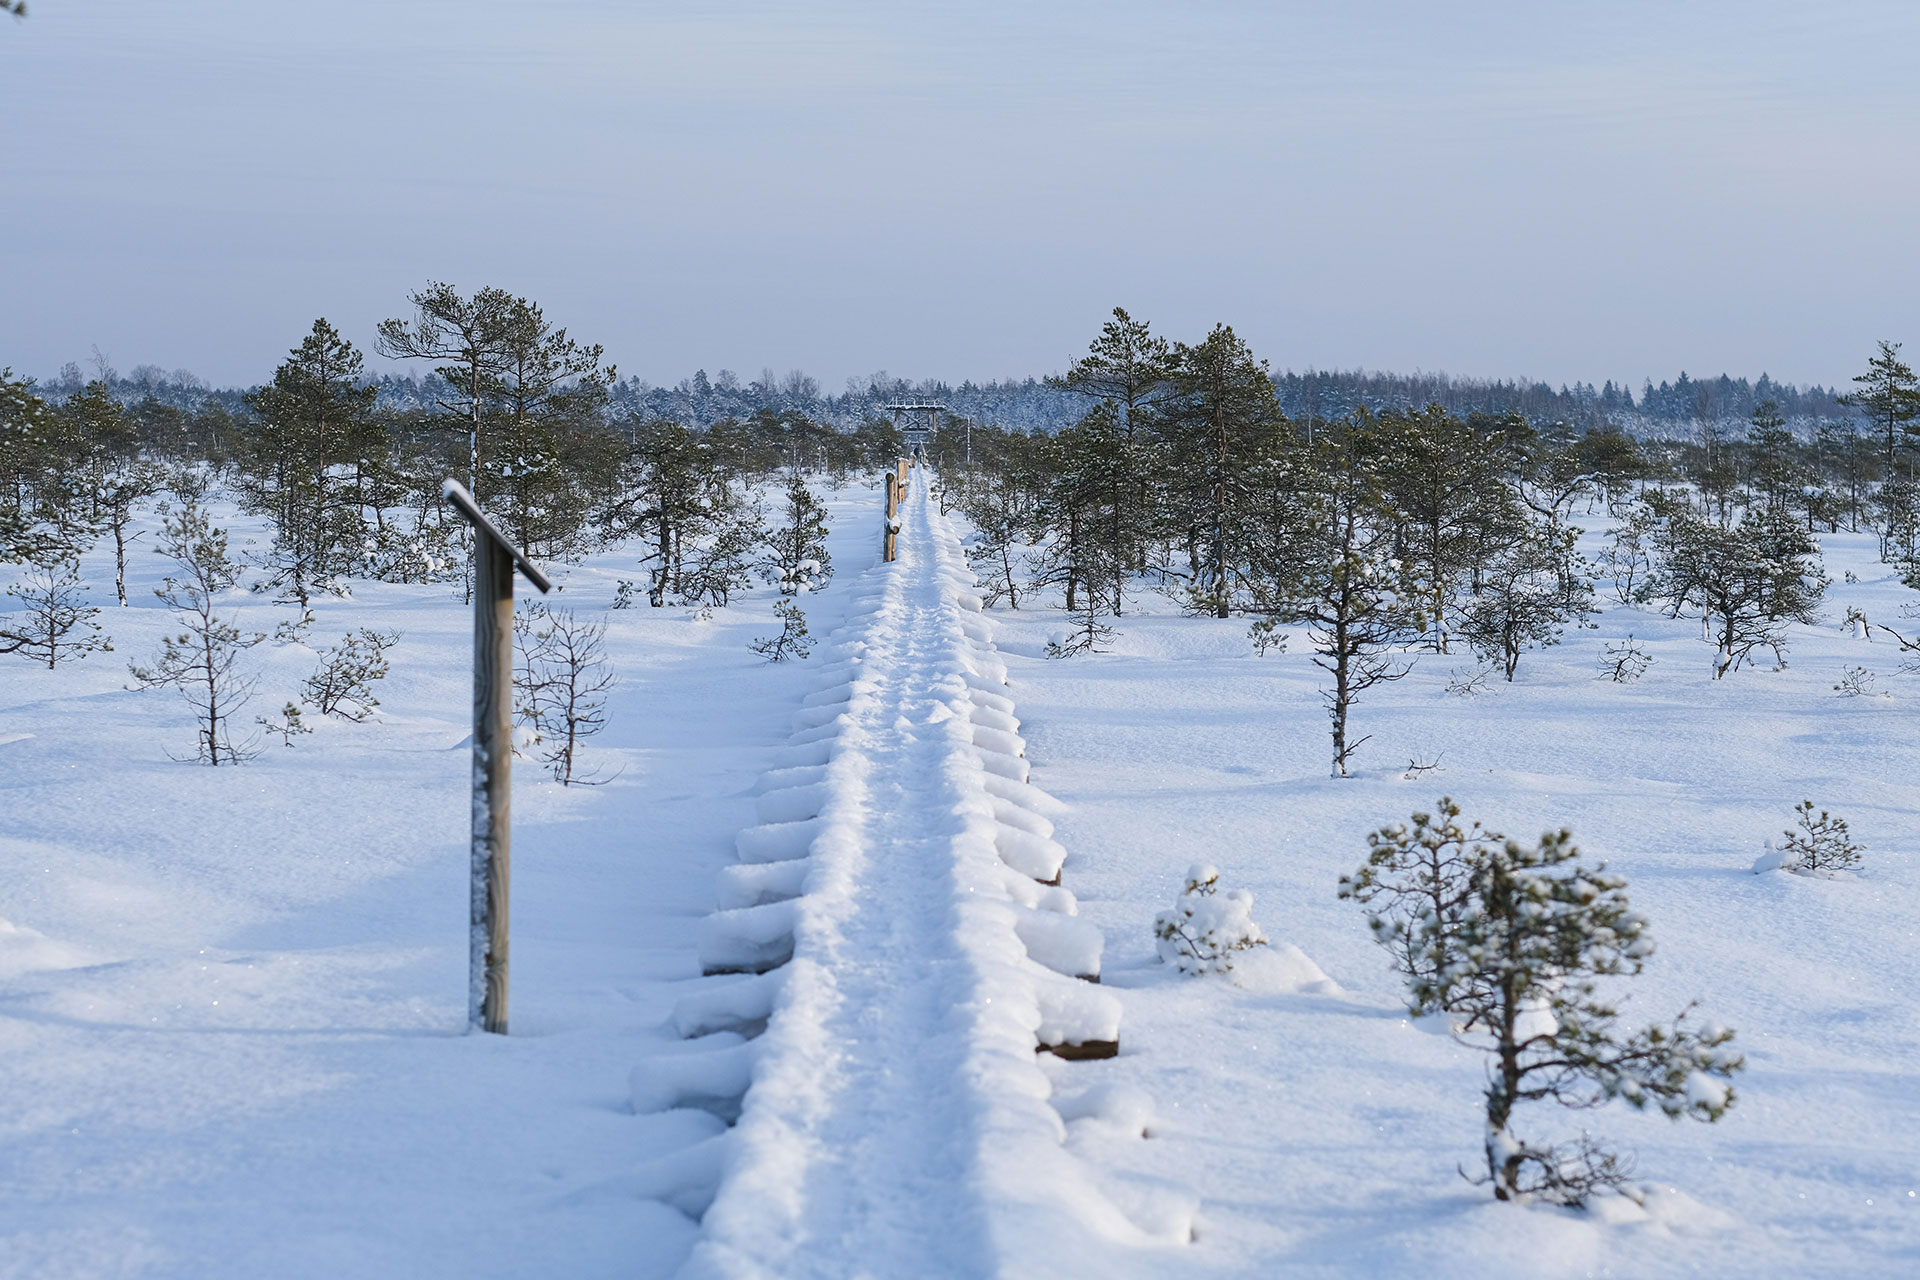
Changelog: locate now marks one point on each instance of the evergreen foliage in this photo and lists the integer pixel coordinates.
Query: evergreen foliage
(203, 659)
(343, 683)
(1511, 942)
(53, 621)
(796, 556)
(1206, 930)
(1818, 845)
(792, 642)
(562, 680)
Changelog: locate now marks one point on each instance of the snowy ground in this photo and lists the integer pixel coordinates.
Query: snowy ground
(233, 1041)
(233, 1044)
(1322, 1131)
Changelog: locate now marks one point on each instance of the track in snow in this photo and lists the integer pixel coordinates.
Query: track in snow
(907, 959)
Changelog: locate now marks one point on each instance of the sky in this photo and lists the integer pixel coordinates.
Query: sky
(960, 191)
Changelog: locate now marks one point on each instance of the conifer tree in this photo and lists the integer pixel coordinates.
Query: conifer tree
(796, 552)
(472, 341)
(1130, 372)
(1342, 576)
(312, 418)
(1889, 397)
(1748, 581)
(202, 660)
(1530, 589)
(1511, 942)
(53, 621)
(1443, 479)
(549, 457)
(1774, 474)
(1221, 420)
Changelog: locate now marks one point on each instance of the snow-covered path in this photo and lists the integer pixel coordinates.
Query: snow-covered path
(896, 1121)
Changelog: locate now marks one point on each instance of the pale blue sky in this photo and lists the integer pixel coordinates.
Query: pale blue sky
(964, 190)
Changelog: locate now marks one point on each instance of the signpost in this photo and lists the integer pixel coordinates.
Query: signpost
(890, 534)
(494, 560)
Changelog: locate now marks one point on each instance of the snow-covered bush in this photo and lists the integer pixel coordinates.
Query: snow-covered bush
(795, 554)
(1511, 941)
(1206, 929)
(1819, 846)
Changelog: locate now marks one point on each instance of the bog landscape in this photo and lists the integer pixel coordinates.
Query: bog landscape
(479, 800)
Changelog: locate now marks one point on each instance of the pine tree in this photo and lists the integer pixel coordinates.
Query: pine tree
(1221, 421)
(202, 661)
(1443, 480)
(796, 552)
(1341, 576)
(1130, 372)
(1529, 591)
(1774, 474)
(1748, 581)
(1889, 395)
(549, 458)
(472, 340)
(1511, 942)
(54, 620)
(792, 642)
(312, 418)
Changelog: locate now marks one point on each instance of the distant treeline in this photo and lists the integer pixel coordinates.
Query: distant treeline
(1667, 410)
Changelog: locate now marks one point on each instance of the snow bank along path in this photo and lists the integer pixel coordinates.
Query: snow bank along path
(891, 956)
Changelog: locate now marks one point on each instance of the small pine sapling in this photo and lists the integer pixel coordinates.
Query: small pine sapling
(343, 683)
(1511, 941)
(796, 552)
(203, 660)
(1468, 682)
(289, 724)
(622, 594)
(1089, 633)
(1817, 846)
(1266, 634)
(792, 642)
(55, 621)
(562, 680)
(1855, 682)
(1206, 930)
(1625, 662)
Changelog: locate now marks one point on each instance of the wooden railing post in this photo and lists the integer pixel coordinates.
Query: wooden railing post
(889, 540)
(490, 850)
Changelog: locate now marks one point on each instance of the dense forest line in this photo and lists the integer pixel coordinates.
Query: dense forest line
(1667, 410)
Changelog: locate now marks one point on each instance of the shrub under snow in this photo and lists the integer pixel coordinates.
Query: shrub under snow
(1206, 929)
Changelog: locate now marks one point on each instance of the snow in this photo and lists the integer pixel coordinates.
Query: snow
(232, 1001)
(1320, 1126)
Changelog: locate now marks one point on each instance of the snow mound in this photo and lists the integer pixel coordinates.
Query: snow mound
(1280, 968)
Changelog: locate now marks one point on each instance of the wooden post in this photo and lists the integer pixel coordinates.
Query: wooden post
(900, 471)
(889, 540)
(494, 559)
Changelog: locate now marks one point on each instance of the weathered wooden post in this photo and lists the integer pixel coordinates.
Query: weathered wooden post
(900, 471)
(889, 538)
(494, 559)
